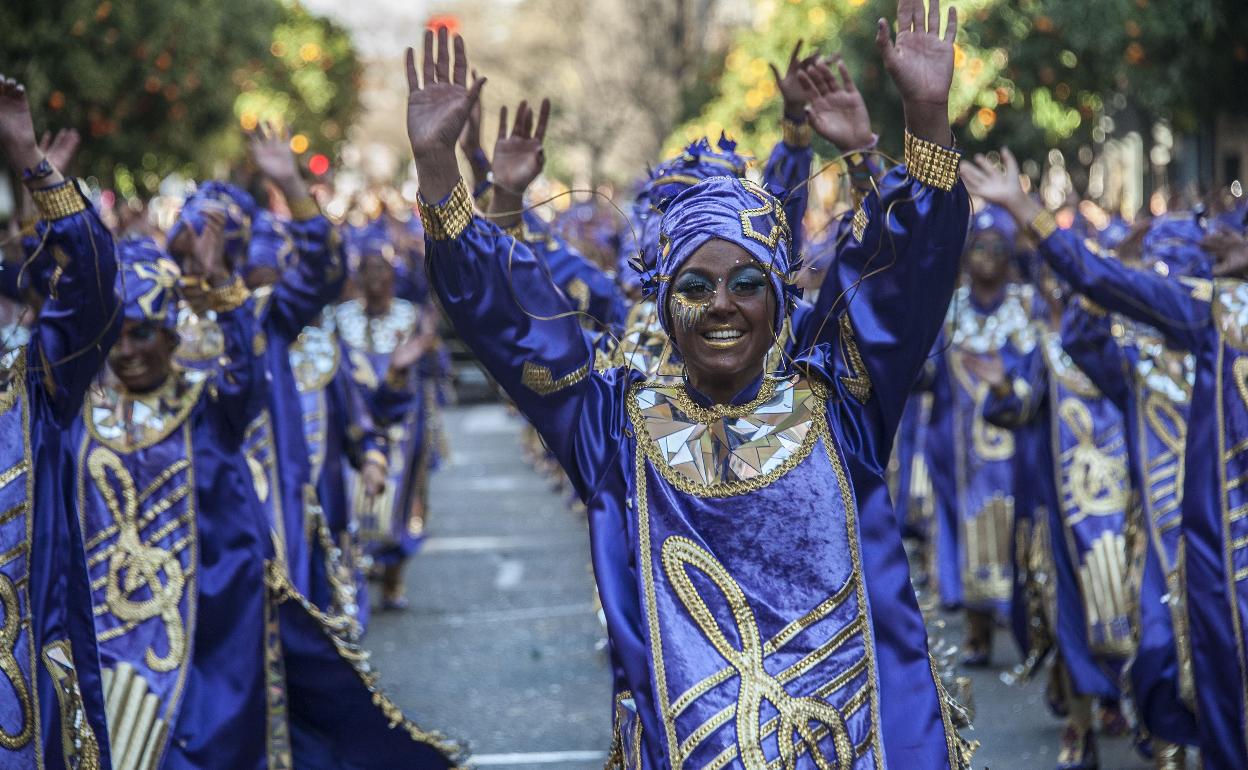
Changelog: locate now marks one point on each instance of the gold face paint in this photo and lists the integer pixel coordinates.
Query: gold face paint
(688, 313)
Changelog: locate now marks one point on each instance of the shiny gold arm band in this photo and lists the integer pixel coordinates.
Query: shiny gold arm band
(304, 209)
(59, 202)
(932, 164)
(446, 221)
(228, 297)
(1043, 224)
(796, 134)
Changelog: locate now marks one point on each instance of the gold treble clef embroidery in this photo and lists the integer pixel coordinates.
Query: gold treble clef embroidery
(795, 714)
(1097, 481)
(12, 670)
(141, 563)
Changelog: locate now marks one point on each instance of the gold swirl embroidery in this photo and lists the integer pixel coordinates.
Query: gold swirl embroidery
(771, 207)
(1170, 428)
(12, 670)
(1096, 481)
(541, 380)
(362, 369)
(142, 564)
(1240, 370)
(991, 444)
(796, 714)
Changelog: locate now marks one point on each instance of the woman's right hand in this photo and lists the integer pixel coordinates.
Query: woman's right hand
(438, 110)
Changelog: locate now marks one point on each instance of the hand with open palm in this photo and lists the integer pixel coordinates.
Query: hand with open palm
(1000, 185)
(920, 62)
(518, 158)
(437, 110)
(837, 111)
(17, 132)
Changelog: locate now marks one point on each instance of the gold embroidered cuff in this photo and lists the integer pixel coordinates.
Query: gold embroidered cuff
(932, 164)
(446, 221)
(377, 457)
(796, 134)
(304, 209)
(1043, 224)
(59, 202)
(228, 297)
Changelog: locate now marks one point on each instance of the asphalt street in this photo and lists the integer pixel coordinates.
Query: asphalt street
(502, 647)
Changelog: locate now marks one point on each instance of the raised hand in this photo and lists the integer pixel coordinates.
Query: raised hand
(411, 350)
(837, 111)
(995, 184)
(519, 157)
(437, 111)
(793, 90)
(990, 370)
(920, 62)
(208, 261)
(17, 132)
(269, 147)
(61, 148)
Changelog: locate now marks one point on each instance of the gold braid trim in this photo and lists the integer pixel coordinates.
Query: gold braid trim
(860, 220)
(335, 628)
(541, 380)
(519, 232)
(59, 202)
(446, 221)
(304, 209)
(1043, 224)
(228, 297)
(797, 135)
(932, 164)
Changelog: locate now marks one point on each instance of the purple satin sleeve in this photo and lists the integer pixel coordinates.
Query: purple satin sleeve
(313, 282)
(240, 384)
(81, 318)
(899, 280)
(1164, 303)
(788, 168)
(1088, 339)
(504, 306)
(1029, 383)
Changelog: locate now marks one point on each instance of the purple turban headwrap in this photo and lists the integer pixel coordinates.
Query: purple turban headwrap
(240, 210)
(733, 210)
(147, 280)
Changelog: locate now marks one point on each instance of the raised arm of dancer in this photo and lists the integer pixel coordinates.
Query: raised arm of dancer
(496, 293)
(80, 319)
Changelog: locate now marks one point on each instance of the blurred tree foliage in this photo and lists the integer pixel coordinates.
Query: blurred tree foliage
(1031, 73)
(156, 86)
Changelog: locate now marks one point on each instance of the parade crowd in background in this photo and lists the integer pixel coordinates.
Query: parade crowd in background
(218, 438)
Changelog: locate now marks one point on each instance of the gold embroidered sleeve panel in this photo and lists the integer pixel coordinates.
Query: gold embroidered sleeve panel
(932, 164)
(541, 380)
(1043, 224)
(858, 381)
(446, 221)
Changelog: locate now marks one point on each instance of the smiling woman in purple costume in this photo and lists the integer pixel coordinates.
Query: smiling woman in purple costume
(751, 571)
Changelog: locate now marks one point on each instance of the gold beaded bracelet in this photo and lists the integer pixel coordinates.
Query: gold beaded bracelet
(797, 135)
(447, 220)
(932, 164)
(1043, 224)
(59, 202)
(304, 209)
(225, 298)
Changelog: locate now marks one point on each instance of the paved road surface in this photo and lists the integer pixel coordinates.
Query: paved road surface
(500, 646)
